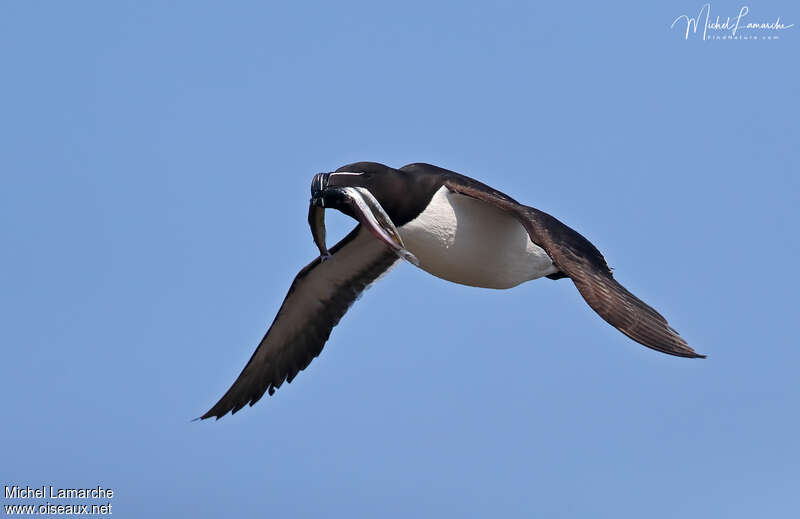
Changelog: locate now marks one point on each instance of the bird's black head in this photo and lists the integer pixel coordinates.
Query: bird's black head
(369, 175)
(402, 194)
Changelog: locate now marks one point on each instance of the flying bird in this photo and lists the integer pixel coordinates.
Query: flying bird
(447, 224)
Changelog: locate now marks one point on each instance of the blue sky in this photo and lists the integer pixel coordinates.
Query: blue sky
(155, 163)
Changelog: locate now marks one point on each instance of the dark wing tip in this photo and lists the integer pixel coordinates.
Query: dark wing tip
(232, 403)
(686, 352)
(208, 415)
(690, 355)
(213, 412)
(633, 317)
(626, 312)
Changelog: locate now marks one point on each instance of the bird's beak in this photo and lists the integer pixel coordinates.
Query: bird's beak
(318, 185)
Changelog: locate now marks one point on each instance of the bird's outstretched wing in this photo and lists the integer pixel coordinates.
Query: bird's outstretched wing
(579, 260)
(319, 296)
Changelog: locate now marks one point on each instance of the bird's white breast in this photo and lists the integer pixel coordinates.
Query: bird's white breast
(468, 241)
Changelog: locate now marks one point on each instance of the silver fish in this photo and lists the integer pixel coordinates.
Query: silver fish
(368, 211)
